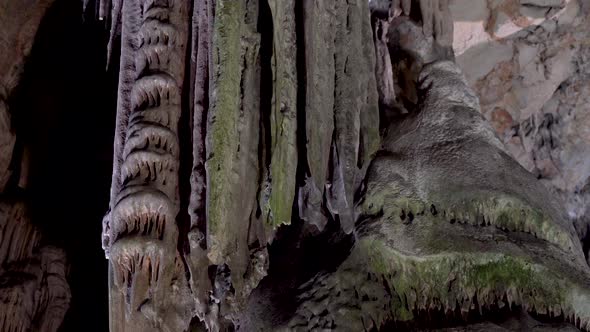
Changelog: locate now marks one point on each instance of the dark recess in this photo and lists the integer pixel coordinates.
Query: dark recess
(185, 127)
(586, 242)
(64, 114)
(266, 29)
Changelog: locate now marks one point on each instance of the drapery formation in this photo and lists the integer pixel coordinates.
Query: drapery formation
(234, 117)
(237, 118)
(290, 164)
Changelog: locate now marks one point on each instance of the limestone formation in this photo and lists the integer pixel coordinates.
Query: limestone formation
(527, 63)
(242, 111)
(305, 165)
(255, 117)
(35, 294)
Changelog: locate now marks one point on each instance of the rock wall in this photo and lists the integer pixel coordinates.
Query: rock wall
(528, 62)
(236, 118)
(19, 21)
(34, 293)
(279, 102)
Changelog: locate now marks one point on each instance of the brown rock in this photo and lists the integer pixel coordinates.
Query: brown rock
(501, 121)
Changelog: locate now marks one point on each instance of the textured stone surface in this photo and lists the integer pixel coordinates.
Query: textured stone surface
(251, 162)
(450, 225)
(429, 245)
(7, 140)
(252, 187)
(319, 102)
(245, 133)
(355, 109)
(19, 21)
(147, 273)
(35, 294)
(283, 115)
(341, 107)
(527, 62)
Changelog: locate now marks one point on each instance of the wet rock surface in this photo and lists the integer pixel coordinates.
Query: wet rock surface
(267, 147)
(306, 165)
(34, 292)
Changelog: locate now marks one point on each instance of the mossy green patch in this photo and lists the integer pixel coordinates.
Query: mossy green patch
(511, 272)
(446, 278)
(283, 117)
(502, 211)
(222, 128)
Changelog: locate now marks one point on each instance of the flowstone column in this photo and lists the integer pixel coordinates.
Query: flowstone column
(147, 283)
(183, 235)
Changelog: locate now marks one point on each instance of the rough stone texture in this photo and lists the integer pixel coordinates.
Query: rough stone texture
(450, 224)
(7, 140)
(202, 21)
(147, 273)
(248, 130)
(319, 102)
(35, 294)
(249, 160)
(19, 21)
(281, 173)
(355, 108)
(528, 63)
(232, 166)
(521, 322)
(341, 107)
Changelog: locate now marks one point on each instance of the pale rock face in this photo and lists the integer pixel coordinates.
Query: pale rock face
(527, 61)
(469, 18)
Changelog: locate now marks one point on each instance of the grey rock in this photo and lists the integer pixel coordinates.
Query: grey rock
(294, 165)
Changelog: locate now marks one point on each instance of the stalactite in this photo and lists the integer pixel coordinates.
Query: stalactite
(264, 108)
(232, 144)
(318, 20)
(142, 232)
(281, 174)
(200, 58)
(341, 106)
(352, 102)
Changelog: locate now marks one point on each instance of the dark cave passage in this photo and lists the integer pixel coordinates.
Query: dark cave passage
(64, 113)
